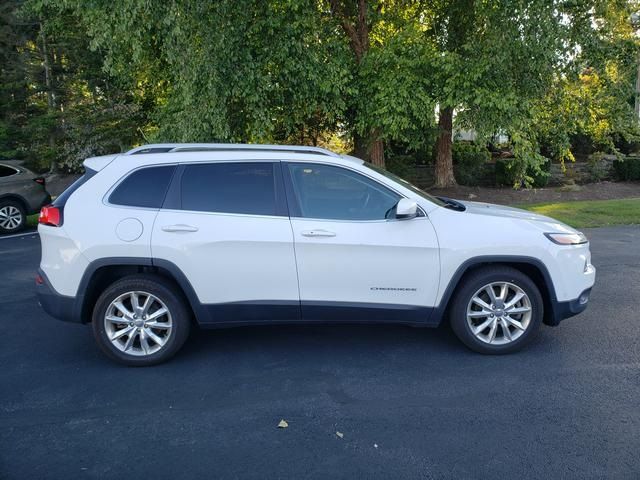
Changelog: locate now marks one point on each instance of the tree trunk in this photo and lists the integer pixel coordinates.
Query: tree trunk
(369, 148)
(51, 96)
(359, 146)
(444, 160)
(637, 102)
(376, 152)
(356, 25)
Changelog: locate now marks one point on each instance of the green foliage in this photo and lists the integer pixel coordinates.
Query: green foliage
(127, 71)
(230, 70)
(402, 165)
(469, 162)
(57, 106)
(627, 168)
(508, 173)
(598, 167)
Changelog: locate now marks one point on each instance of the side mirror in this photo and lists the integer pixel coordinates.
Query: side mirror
(406, 209)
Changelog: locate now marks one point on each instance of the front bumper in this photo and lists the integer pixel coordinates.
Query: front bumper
(58, 306)
(562, 310)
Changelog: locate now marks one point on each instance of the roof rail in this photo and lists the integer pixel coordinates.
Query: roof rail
(222, 147)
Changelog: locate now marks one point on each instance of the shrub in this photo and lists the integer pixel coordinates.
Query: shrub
(469, 161)
(541, 178)
(597, 167)
(507, 173)
(402, 165)
(627, 168)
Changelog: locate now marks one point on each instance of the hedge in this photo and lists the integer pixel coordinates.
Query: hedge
(627, 169)
(506, 175)
(469, 161)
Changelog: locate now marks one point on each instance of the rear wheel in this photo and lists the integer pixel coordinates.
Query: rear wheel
(12, 216)
(140, 320)
(496, 310)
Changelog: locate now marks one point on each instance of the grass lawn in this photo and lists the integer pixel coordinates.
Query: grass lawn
(591, 213)
(32, 220)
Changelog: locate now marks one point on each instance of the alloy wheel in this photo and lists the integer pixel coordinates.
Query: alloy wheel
(499, 313)
(10, 217)
(138, 323)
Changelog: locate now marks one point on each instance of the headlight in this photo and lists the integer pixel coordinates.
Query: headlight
(567, 238)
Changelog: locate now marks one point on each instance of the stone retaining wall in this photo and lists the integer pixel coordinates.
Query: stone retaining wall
(579, 172)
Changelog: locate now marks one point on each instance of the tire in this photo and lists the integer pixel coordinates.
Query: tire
(152, 337)
(13, 216)
(514, 327)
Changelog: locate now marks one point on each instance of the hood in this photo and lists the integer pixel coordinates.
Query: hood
(479, 208)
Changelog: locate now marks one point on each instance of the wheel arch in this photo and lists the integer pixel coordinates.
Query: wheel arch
(104, 272)
(16, 198)
(530, 266)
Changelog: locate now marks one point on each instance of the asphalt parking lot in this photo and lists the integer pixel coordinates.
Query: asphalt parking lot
(411, 403)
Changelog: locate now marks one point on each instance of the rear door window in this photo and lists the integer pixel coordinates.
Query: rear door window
(238, 187)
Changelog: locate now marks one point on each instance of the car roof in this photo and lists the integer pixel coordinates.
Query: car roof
(156, 154)
(226, 147)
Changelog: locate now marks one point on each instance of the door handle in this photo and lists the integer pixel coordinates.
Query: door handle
(179, 228)
(318, 233)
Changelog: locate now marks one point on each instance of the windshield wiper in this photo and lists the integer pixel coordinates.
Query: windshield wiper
(452, 204)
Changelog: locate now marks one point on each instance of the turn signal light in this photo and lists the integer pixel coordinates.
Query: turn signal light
(51, 216)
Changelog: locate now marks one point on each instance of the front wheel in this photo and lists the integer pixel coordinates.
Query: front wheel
(140, 320)
(496, 310)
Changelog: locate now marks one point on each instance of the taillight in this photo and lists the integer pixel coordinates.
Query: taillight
(50, 215)
(39, 180)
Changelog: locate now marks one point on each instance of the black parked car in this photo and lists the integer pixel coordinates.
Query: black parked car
(22, 193)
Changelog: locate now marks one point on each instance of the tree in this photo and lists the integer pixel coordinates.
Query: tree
(494, 60)
(243, 71)
(58, 107)
(108, 73)
(356, 20)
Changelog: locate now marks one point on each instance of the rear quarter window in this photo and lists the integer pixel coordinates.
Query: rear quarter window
(144, 188)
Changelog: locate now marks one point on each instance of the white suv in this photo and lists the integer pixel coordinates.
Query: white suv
(150, 241)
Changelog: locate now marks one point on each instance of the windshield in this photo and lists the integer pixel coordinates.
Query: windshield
(405, 184)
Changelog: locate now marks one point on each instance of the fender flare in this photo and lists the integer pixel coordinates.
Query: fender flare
(548, 291)
(79, 309)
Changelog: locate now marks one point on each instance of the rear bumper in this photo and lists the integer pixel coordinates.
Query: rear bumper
(58, 306)
(39, 202)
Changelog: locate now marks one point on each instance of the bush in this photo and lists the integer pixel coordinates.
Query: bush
(541, 178)
(627, 168)
(597, 167)
(469, 161)
(402, 165)
(507, 173)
